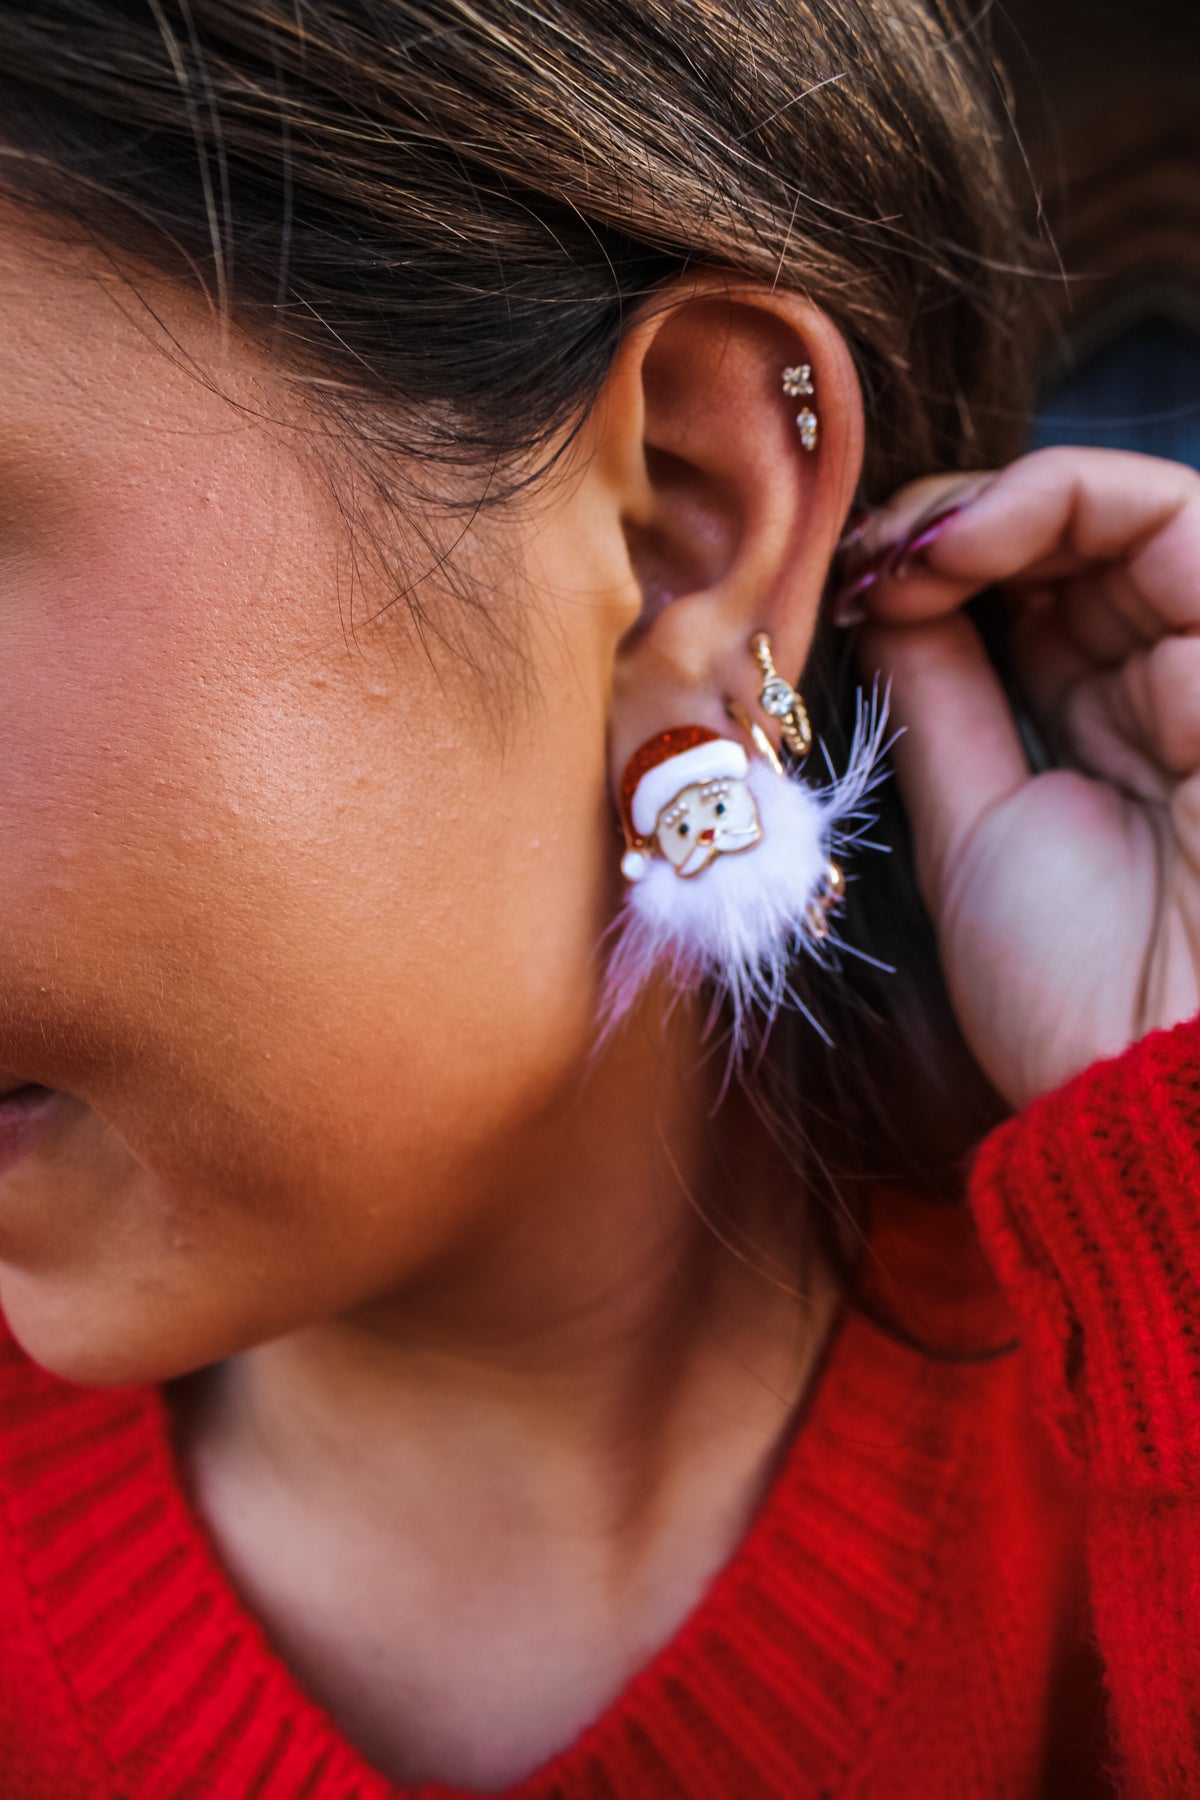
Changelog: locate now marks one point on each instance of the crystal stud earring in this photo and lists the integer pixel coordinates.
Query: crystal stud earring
(797, 384)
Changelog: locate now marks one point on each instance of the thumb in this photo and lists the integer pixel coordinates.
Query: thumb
(959, 754)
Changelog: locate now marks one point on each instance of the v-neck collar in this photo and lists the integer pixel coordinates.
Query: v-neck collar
(771, 1685)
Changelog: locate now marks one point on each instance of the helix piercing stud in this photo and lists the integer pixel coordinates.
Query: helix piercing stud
(798, 384)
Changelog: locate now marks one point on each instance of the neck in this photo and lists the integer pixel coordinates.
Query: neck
(619, 1300)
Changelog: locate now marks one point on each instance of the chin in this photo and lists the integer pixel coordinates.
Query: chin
(92, 1339)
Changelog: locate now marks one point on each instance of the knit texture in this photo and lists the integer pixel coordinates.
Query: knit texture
(910, 1612)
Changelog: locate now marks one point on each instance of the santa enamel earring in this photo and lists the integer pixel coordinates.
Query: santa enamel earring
(685, 798)
(732, 856)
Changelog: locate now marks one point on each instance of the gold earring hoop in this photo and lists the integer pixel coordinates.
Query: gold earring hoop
(779, 699)
(798, 384)
(754, 731)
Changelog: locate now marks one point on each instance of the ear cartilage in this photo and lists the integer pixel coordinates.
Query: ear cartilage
(798, 384)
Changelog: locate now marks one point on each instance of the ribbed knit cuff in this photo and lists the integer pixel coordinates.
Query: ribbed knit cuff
(1088, 1206)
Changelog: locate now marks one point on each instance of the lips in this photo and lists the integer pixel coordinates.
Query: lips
(27, 1112)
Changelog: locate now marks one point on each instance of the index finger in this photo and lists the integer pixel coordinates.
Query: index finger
(1049, 515)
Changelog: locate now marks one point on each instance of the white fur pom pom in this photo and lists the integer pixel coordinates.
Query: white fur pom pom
(738, 925)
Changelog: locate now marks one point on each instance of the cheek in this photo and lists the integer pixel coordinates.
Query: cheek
(308, 958)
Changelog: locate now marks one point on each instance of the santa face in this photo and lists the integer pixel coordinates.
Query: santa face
(707, 820)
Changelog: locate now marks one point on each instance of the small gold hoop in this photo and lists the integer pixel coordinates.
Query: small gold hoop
(755, 733)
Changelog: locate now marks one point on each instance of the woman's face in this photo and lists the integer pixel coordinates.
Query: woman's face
(299, 917)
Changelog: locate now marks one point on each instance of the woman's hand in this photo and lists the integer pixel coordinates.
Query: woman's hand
(1067, 903)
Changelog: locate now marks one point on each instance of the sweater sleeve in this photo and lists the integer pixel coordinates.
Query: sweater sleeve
(1088, 1205)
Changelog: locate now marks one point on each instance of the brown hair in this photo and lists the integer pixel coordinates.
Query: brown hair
(440, 212)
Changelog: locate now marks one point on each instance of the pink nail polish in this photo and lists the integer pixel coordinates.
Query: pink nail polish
(856, 524)
(893, 561)
(846, 606)
(920, 538)
(847, 610)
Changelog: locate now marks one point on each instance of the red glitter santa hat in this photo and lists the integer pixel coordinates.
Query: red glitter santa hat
(663, 766)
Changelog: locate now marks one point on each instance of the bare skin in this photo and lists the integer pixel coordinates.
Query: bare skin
(302, 926)
(532, 1516)
(301, 922)
(1067, 903)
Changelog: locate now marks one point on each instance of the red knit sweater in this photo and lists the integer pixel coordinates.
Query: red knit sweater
(910, 1612)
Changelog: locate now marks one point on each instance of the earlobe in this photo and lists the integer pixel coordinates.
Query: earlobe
(733, 857)
(730, 854)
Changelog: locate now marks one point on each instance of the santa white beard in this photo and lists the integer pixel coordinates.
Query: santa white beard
(727, 844)
(738, 924)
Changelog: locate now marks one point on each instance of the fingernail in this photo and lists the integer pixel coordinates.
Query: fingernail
(847, 610)
(897, 560)
(857, 522)
(847, 606)
(923, 535)
(846, 603)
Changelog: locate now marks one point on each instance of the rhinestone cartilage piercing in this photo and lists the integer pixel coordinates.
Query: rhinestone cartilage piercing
(797, 384)
(779, 699)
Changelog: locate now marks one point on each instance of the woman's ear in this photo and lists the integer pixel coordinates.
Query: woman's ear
(730, 521)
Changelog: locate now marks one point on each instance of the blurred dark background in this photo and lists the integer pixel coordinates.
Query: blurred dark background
(1107, 104)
